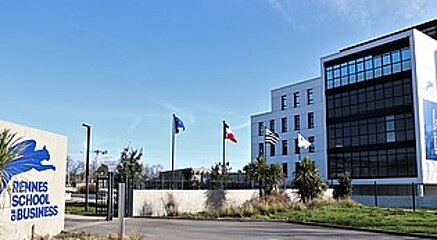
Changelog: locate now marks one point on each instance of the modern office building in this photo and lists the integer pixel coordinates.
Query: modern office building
(378, 101)
(296, 108)
(380, 110)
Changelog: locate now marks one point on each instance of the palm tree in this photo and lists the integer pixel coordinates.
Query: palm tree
(8, 153)
(267, 176)
(307, 180)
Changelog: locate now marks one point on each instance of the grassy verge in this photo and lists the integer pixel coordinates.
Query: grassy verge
(345, 213)
(366, 217)
(79, 209)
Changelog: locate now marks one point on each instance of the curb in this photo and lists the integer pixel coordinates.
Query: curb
(326, 225)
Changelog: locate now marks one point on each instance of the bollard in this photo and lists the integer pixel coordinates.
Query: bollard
(32, 232)
(121, 209)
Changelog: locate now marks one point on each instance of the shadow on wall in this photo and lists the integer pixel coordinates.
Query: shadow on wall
(215, 199)
(171, 206)
(147, 209)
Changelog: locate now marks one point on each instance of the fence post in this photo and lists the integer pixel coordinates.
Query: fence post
(121, 209)
(375, 193)
(413, 194)
(110, 197)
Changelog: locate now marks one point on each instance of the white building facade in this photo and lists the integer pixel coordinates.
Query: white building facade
(381, 111)
(375, 114)
(296, 108)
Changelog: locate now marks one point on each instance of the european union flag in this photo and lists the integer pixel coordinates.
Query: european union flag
(178, 124)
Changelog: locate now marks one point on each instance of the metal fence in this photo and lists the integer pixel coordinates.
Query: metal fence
(157, 184)
(410, 196)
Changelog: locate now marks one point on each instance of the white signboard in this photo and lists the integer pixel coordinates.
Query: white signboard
(32, 188)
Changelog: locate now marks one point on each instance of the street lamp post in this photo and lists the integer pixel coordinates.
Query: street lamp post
(87, 163)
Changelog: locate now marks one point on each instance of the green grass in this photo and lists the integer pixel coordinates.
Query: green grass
(365, 217)
(338, 213)
(79, 208)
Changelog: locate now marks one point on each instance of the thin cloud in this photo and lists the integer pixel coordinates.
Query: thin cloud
(241, 126)
(280, 7)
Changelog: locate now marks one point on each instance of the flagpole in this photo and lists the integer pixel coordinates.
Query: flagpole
(172, 151)
(224, 147)
(265, 156)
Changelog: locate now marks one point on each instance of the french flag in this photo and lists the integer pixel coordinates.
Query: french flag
(228, 133)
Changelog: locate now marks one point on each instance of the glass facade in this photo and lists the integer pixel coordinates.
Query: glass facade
(368, 67)
(370, 114)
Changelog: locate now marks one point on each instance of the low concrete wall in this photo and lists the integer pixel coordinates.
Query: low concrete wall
(397, 201)
(154, 202)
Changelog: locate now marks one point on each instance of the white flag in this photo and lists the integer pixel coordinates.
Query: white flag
(302, 142)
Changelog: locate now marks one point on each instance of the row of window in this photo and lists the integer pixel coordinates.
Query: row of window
(284, 124)
(385, 129)
(398, 162)
(369, 67)
(284, 147)
(296, 99)
(372, 98)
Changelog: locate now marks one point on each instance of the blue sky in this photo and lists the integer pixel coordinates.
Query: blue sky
(125, 67)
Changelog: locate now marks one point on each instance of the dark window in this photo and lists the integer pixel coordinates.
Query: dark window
(272, 125)
(285, 169)
(310, 120)
(272, 150)
(260, 129)
(312, 148)
(296, 148)
(296, 122)
(310, 96)
(296, 100)
(283, 102)
(261, 149)
(284, 147)
(284, 123)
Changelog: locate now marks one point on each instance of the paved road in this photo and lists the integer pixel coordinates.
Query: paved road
(160, 229)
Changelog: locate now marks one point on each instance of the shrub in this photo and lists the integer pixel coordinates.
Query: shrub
(344, 187)
(307, 180)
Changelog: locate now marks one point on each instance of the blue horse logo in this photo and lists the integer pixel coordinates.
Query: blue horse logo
(27, 159)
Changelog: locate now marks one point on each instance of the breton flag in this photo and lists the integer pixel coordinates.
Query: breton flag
(302, 142)
(271, 137)
(177, 123)
(228, 133)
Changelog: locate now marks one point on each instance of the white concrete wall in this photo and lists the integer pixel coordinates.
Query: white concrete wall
(153, 202)
(11, 226)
